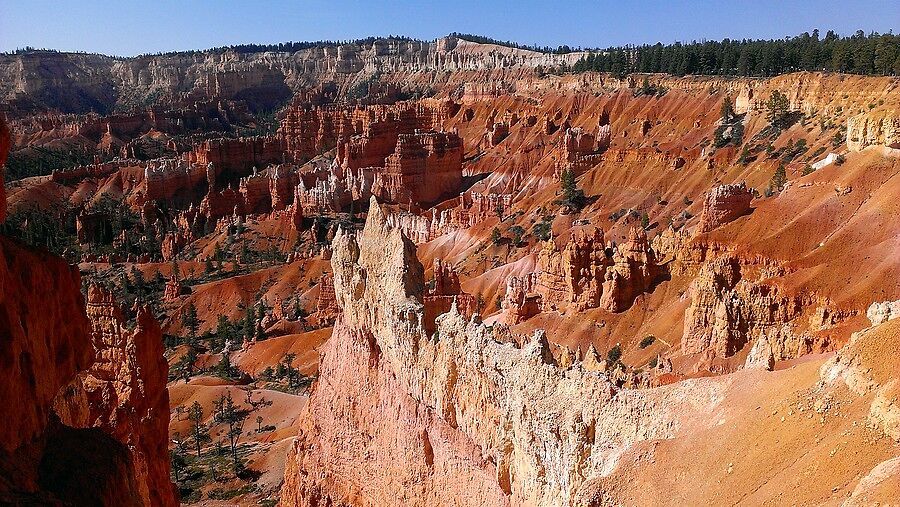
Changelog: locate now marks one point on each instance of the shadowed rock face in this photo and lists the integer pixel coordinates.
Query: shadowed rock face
(460, 418)
(53, 451)
(4, 151)
(88, 467)
(45, 343)
(124, 393)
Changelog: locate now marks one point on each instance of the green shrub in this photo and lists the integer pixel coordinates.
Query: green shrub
(614, 354)
(542, 230)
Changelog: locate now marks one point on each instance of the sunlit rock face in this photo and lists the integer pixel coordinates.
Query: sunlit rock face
(399, 415)
(866, 129)
(723, 204)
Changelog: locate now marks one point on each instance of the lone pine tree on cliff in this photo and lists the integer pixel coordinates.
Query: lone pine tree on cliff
(777, 109)
(572, 196)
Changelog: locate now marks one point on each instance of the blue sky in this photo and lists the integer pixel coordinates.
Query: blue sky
(130, 27)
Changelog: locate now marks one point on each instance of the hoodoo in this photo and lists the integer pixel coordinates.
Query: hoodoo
(85, 399)
(458, 271)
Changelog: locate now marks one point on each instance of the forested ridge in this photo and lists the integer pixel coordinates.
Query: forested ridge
(872, 54)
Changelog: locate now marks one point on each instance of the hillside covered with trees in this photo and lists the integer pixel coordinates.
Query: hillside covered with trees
(872, 54)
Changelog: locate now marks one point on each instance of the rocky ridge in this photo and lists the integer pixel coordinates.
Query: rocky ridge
(473, 428)
(262, 79)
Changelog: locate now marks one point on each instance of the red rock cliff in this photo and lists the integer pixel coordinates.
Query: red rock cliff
(398, 417)
(724, 204)
(124, 393)
(45, 345)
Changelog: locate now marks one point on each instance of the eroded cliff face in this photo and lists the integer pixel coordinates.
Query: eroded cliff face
(124, 393)
(47, 457)
(459, 417)
(263, 79)
(587, 273)
(468, 417)
(44, 344)
(868, 129)
(724, 204)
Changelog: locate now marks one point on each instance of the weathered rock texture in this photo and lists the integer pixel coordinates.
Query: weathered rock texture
(48, 342)
(46, 345)
(722, 205)
(729, 308)
(124, 393)
(444, 294)
(879, 313)
(868, 130)
(326, 304)
(471, 208)
(398, 417)
(574, 276)
(72, 82)
(521, 301)
(868, 366)
(583, 276)
(425, 167)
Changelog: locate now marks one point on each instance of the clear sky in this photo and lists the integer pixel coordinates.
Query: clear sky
(127, 27)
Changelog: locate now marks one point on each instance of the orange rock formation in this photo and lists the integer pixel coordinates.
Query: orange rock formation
(55, 447)
(722, 205)
(465, 416)
(124, 393)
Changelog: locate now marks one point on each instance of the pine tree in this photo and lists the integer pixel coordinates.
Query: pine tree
(250, 323)
(777, 108)
(195, 415)
(185, 365)
(572, 196)
(727, 110)
(496, 236)
(190, 322)
(233, 416)
(139, 282)
(179, 463)
(885, 55)
(776, 184)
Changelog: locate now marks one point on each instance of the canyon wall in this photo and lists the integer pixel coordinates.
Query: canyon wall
(71, 82)
(45, 344)
(459, 417)
(124, 393)
(45, 457)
